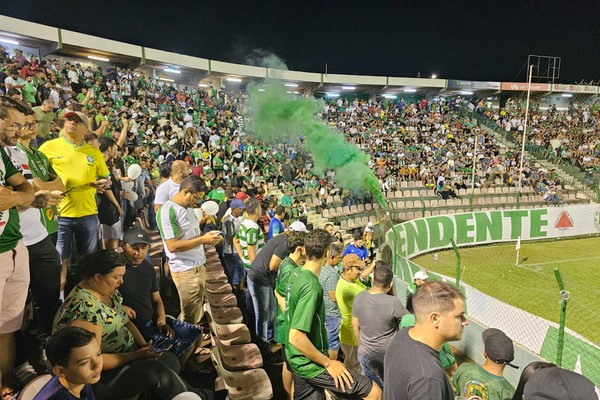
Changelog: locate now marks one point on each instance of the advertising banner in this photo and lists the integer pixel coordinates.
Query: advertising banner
(575, 88)
(522, 86)
(473, 85)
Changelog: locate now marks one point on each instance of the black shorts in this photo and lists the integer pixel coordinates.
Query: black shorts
(314, 388)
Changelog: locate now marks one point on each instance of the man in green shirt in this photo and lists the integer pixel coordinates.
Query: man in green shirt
(487, 381)
(348, 286)
(44, 117)
(306, 348)
(295, 247)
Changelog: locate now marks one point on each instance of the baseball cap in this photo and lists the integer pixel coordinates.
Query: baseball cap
(237, 203)
(82, 117)
(352, 260)
(135, 235)
(298, 226)
(498, 347)
(555, 383)
(422, 275)
(241, 196)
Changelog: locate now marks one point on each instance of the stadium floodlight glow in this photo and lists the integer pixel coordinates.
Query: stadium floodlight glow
(567, 95)
(174, 71)
(466, 92)
(261, 90)
(296, 92)
(333, 94)
(389, 96)
(433, 76)
(410, 90)
(490, 98)
(203, 84)
(291, 84)
(96, 58)
(348, 87)
(9, 41)
(234, 80)
(166, 79)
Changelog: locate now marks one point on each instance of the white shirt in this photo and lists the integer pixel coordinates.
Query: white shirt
(165, 191)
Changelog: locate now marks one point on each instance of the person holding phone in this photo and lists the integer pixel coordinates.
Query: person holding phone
(184, 245)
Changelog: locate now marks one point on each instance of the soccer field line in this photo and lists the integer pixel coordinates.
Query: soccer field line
(558, 261)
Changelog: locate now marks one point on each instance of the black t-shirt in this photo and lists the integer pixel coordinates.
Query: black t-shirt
(138, 285)
(413, 370)
(259, 272)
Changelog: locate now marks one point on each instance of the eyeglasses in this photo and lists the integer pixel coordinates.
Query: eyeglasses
(19, 127)
(198, 198)
(358, 268)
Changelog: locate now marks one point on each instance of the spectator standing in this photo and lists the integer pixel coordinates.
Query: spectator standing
(166, 190)
(419, 279)
(44, 116)
(276, 226)
(234, 267)
(328, 279)
(82, 169)
(487, 380)
(412, 366)
(375, 319)
(348, 287)
(180, 232)
(357, 247)
(14, 257)
(306, 349)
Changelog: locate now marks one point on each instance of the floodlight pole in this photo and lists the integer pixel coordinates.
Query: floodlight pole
(474, 165)
(525, 128)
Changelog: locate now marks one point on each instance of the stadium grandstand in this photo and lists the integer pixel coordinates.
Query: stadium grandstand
(167, 203)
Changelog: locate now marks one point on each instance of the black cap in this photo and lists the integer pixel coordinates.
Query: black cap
(498, 347)
(136, 235)
(555, 383)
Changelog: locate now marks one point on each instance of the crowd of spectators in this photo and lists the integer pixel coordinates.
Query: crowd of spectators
(86, 147)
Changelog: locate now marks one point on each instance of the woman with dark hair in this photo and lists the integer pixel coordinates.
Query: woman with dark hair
(130, 365)
(528, 371)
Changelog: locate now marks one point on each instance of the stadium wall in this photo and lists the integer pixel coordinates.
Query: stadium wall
(538, 336)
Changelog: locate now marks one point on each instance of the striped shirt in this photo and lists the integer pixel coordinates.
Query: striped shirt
(249, 233)
(175, 221)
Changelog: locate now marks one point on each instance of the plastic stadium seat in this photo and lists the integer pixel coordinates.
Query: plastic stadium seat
(239, 357)
(241, 385)
(230, 334)
(216, 277)
(221, 300)
(337, 198)
(219, 288)
(360, 208)
(408, 204)
(404, 184)
(224, 316)
(353, 209)
(33, 387)
(368, 207)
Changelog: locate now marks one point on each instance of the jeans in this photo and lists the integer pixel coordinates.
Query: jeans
(86, 231)
(333, 324)
(372, 367)
(185, 335)
(263, 300)
(44, 268)
(234, 268)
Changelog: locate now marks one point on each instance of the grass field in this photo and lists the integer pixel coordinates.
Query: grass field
(532, 285)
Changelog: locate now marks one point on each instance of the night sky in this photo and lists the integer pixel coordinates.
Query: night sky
(474, 40)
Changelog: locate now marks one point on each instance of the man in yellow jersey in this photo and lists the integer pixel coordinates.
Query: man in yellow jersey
(82, 170)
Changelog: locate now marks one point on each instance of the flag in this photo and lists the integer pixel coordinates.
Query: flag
(518, 243)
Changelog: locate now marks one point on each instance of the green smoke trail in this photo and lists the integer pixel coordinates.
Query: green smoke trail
(276, 115)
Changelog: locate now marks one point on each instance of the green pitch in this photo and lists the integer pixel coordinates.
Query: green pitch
(532, 285)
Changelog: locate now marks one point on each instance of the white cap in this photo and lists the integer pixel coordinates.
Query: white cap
(298, 226)
(422, 275)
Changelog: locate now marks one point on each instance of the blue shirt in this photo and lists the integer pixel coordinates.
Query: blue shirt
(275, 227)
(54, 390)
(361, 252)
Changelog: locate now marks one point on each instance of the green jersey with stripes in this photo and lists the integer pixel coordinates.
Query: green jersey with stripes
(249, 233)
(175, 221)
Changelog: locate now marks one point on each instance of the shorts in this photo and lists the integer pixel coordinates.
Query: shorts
(333, 325)
(14, 284)
(114, 231)
(314, 388)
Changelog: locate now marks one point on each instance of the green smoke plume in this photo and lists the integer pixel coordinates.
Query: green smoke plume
(276, 115)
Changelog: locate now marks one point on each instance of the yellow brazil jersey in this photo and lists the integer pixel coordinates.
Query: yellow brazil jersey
(77, 166)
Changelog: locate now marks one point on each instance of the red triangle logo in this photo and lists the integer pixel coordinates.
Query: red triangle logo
(564, 221)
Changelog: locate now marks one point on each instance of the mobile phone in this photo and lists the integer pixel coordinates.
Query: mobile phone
(163, 349)
(66, 191)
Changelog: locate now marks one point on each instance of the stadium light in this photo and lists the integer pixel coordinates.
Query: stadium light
(433, 76)
(174, 71)
(234, 80)
(389, 96)
(291, 84)
(333, 94)
(9, 41)
(96, 58)
(466, 92)
(410, 90)
(261, 90)
(567, 95)
(203, 85)
(166, 79)
(348, 87)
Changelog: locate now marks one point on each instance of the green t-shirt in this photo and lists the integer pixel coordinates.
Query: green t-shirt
(472, 380)
(29, 91)
(217, 194)
(286, 268)
(249, 233)
(10, 229)
(286, 201)
(345, 292)
(304, 311)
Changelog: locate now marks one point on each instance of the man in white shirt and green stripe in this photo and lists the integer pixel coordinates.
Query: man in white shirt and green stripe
(183, 242)
(249, 238)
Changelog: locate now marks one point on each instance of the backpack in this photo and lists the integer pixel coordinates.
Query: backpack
(228, 231)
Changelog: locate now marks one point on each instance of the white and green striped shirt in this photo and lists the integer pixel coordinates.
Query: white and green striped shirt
(175, 221)
(249, 233)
